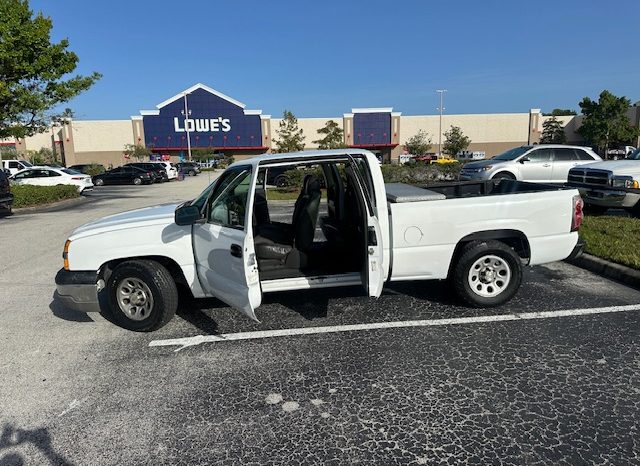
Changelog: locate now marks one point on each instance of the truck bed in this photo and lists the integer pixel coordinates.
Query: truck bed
(398, 193)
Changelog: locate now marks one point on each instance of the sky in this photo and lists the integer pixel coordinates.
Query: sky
(322, 58)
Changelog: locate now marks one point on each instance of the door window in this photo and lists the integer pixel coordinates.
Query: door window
(539, 155)
(51, 173)
(564, 155)
(583, 155)
(14, 165)
(229, 199)
(25, 174)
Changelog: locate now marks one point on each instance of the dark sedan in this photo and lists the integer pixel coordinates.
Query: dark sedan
(124, 175)
(188, 168)
(157, 170)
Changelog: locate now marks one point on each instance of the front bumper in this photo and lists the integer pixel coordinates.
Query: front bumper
(471, 176)
(79, 290)
(608, 197)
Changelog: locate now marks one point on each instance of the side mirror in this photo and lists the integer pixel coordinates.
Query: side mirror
(187, 215)
(524, 159)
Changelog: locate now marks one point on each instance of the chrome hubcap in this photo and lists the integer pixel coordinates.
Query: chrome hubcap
(134, 298)
(489, 276)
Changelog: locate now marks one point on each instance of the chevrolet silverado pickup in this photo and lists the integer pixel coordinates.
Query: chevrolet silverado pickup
(346, 228)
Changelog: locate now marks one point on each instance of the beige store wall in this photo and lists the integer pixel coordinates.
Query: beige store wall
(101, 135)
(488, 132)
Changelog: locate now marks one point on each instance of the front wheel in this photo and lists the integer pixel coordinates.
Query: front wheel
(487, 274)
(192, 173)
(99, 182)
(142, 295)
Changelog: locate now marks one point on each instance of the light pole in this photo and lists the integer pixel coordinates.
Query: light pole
(186, 112)
(441, 108)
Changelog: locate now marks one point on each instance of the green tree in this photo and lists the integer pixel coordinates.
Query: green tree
(606, 121)
(455, 141)
(561, 112)
(203, 154)
(553, 132)
(290, 137)
(43, 156)
(136, 151)
(333, 136)
(33, 70)
(418, 144)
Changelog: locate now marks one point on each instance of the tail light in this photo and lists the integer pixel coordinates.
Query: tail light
(77, 177)
(578, 213)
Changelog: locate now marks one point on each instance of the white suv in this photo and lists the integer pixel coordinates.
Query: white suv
(543, 163)
(172, 172)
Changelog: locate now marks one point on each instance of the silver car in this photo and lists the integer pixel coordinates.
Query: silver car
(543, 163)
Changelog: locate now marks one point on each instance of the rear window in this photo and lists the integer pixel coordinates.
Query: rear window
(69, 171)
(564, 155)
(583, 155)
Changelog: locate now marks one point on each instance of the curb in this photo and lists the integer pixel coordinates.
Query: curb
(52, 206)
(605, 268)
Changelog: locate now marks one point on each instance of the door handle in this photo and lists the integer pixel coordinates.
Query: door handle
(546, 164)
(236, 250)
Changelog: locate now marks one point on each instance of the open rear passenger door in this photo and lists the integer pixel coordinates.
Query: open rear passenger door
(223, 245)
(373, 273)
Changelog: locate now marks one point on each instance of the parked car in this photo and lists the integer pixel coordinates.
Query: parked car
(6, 198)
(14, 166)
(124, 175)
(543, 163)
(157, 171)
(50, 176)
(224, 244)
(170, 169)
(188, 168)
(609, 184)
(88, 168)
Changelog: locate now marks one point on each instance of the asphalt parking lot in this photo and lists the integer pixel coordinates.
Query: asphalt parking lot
(520, 384)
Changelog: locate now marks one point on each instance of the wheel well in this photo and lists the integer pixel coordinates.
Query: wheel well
(504, 172)
(515, 239)
(172, 266)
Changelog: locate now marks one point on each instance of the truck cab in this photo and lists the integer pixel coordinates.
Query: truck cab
(14, 166)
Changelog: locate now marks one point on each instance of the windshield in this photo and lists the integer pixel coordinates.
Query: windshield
(512, 154)
(635, 155)
(70, 171)
(25, 163)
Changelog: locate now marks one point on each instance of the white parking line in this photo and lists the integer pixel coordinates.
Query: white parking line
(199, 339)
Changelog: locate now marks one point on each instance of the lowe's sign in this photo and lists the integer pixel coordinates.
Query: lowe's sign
(202, 125)
(209, 118)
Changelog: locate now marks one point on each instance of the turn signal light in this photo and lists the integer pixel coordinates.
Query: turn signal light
(65, 254)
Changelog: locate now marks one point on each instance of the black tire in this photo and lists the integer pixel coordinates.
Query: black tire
(479, 252)
(280, 181)
(591, 209)
(192, 173)
(137, 181)
(503, 176)
(99, 182)
(160, 284)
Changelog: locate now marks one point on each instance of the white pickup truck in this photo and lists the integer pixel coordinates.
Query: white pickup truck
(347, 228)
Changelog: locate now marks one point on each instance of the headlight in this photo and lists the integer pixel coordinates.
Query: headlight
(624, 182)
(486, 168)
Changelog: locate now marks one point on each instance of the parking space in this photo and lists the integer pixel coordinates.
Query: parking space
(535, 389)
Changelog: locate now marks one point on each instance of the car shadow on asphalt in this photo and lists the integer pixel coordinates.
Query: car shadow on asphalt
(58, 310)
(13, 437)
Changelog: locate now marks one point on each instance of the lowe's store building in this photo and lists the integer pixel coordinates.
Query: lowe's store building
(201, 117)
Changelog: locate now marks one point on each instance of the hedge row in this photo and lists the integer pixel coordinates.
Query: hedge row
(27, 196)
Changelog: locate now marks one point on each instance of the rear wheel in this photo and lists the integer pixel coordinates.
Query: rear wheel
(487, 274)
(503, 176)
(137, 181)
(192, 173)
(99, 182)
(142, 295)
